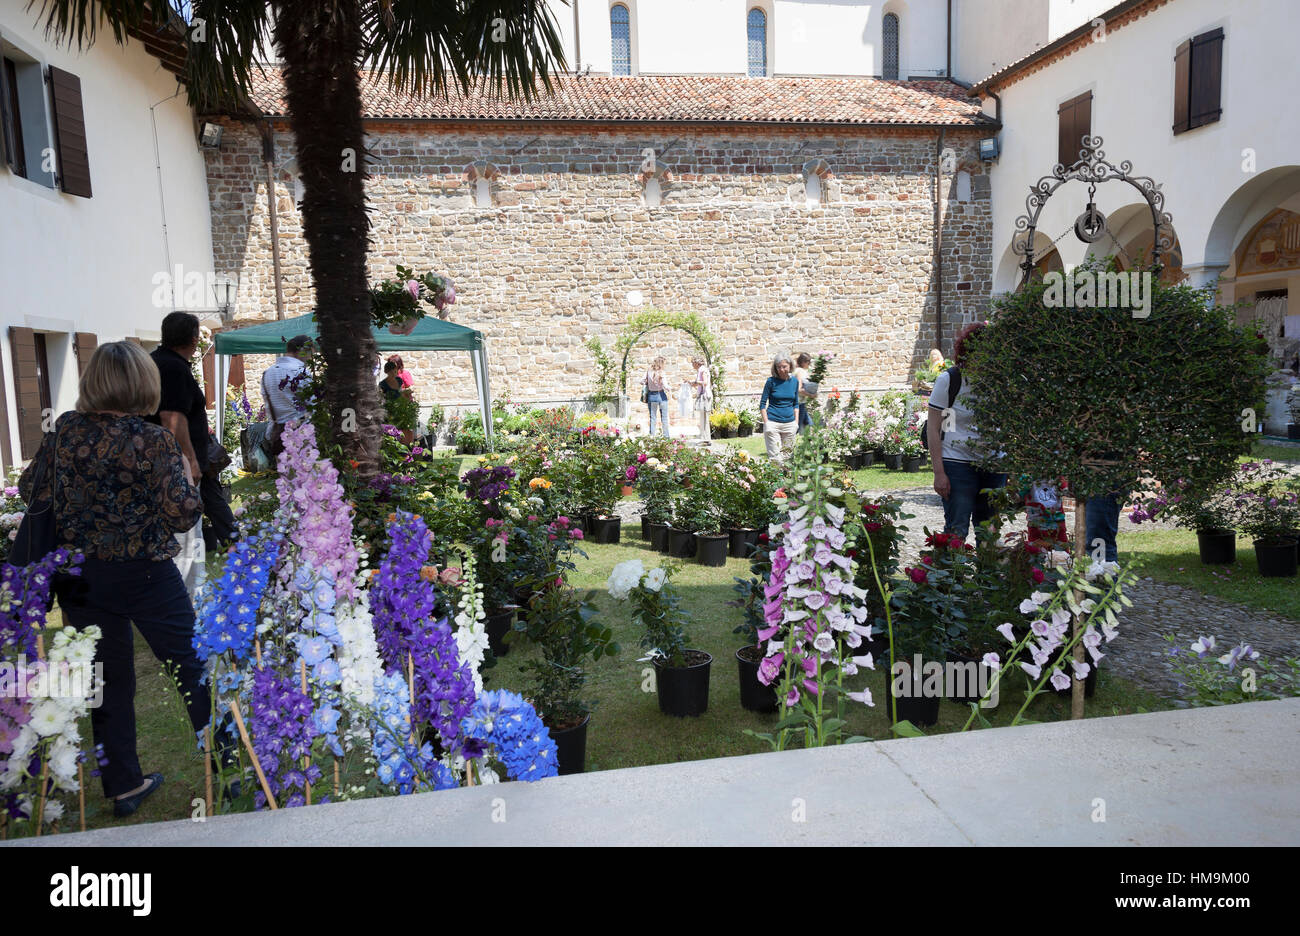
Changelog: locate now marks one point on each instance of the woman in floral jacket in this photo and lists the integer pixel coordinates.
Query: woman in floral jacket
(121, 490)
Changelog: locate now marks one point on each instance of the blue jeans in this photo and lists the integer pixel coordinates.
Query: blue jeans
(965, 502)
(1102, 522)
(658, 400)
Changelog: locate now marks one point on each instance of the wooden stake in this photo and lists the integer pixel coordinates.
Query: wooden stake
(257, 765)
(40, 808)
(306, 759)
(410, 677)
(81, 794)
(207, 768)
(40, 646)
(1080, 554)
(257, 650)
(336, 778)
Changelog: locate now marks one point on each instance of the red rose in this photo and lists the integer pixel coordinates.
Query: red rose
(1032, 549)
(917, 575)
(927, 560)
(1037, 575)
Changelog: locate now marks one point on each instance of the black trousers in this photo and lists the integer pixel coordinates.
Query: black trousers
(219, 521)
(111, 596)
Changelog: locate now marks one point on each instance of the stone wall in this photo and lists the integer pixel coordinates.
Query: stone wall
(569, 235)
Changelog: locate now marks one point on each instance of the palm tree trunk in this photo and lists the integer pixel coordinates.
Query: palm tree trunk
(320, 43)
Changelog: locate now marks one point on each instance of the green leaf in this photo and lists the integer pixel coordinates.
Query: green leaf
(905, 729)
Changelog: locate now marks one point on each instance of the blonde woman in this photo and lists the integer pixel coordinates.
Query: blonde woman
(657, 396)
(120, 490)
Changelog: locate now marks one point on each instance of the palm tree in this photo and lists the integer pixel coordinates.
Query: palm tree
(497, 47)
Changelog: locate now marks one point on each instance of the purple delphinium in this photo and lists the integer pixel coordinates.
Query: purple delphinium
(30, 587)
(281, 727)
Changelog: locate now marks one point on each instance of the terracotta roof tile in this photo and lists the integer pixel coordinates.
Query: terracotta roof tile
(685, 98)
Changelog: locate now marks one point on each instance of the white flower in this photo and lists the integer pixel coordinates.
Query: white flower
(1203, 645)
(824, 642)
(625, 577)
(53, 811)
(48, 718)
(654, 579)
(866, 661)
(63, 760)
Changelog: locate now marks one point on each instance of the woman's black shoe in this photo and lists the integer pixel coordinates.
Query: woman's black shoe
(129, 804)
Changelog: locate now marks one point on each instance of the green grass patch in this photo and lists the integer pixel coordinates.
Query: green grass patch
(1172, 556)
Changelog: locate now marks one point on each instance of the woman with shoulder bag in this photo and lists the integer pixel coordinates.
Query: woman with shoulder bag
(655, 395)
(120, 490)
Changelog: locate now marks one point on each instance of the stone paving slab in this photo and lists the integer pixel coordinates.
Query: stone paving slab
(1220, 776)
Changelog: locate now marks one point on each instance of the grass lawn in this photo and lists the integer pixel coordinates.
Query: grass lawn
(875, 478)
(1172, 556)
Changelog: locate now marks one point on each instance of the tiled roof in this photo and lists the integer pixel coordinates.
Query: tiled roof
(674, 99)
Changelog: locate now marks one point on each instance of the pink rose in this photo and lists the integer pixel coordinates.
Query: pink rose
(413, 287)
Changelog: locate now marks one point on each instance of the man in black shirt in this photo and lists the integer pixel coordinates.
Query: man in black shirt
(183, 410)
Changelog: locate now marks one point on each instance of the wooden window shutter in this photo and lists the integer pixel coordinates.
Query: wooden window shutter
(1206, 78)
(28, 389)
(236, 378)
(70, 133)
(1074, 122)
(84, 345)
(1182, 85)
(6, 447)
(209, 377)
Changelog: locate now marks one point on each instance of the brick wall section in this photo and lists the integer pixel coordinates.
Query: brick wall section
(569, 236)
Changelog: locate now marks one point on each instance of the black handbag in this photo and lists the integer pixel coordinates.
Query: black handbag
(218, 458)
(36, 537)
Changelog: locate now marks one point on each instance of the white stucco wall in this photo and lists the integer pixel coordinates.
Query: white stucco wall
(1209, 187)
(71, 264)
(806, 37)
(991, 34)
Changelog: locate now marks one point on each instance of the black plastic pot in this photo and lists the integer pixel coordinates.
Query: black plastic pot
(497, 625)
(743, 542)
(868, 459)
(645, 528)
(1293, 431)
(878, 454)
(711, 548)
(754, 696)
(745, 432)
(921, 712)
(894, 462)
(571, 747)
(911, 462)
(684, 691)
(1218, 547)
(604, 530)
(658, 537)
(681, 543)
(1276, 557)
(853, 462)
(972, 693)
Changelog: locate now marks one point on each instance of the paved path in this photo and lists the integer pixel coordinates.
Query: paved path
(1211, 776)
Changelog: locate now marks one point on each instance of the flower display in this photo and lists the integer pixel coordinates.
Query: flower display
(510, 729)
(404, 766)
(227, 608)
(320, 518)
(281, 726)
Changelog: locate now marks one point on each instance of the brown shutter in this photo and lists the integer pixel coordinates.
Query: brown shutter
(1182, 85)
(6, 447)
(236, 378)
(84, 344)
(209, 377)
(28, 389)
(1074, 122)
(1207, 72)
(70, 133)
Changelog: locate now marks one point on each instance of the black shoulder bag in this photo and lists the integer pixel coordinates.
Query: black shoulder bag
(37, 536)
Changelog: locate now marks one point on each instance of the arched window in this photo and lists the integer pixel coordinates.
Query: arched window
(757, 25)
(620, 30)
(479, 175)
(963, 185)
(653, 193)
(482, 193)
(816, 173)
(889, 35)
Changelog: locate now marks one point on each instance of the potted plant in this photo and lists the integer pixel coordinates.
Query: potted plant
(395, 303)
(436, 424)
(700, 512)
(750, 598)
(656, 482)
(1270, 514)
(681, 674)
(745, 420)
(600, 484)
(912, 452)
(563, 625)
(893, 445)
(747, 503)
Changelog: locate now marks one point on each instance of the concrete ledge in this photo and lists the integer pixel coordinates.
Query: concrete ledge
(1210, 776)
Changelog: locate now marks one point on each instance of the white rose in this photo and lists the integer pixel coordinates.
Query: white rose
(654, 579)
(625, 577)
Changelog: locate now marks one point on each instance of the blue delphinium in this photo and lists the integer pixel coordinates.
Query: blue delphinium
(512, 728)
(228, 608)
(403, 766)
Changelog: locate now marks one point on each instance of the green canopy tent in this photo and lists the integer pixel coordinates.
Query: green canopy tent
(429, 334)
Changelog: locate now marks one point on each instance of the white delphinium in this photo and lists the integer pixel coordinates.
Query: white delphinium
(358, 656)
(471, 634)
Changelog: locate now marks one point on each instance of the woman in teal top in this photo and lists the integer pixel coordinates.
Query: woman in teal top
(779, 409)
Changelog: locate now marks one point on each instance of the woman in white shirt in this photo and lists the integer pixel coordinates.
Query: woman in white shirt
(703, 395)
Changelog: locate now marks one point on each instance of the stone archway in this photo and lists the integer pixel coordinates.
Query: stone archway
(640, 324)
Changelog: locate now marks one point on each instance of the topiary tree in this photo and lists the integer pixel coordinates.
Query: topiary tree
(1100, 396)
(1103, 395)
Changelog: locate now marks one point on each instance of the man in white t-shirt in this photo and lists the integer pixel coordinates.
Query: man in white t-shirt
(282, 406)
(958, 478)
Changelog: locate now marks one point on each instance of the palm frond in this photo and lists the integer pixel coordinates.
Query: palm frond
(77, 22)
(428, 47)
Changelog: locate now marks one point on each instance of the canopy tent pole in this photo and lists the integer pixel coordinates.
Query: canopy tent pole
(223, 377)
(478, 358)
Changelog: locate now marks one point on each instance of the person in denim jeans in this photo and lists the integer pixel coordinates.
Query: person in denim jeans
(1102, 521)
(657, 396)
(958, 479)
